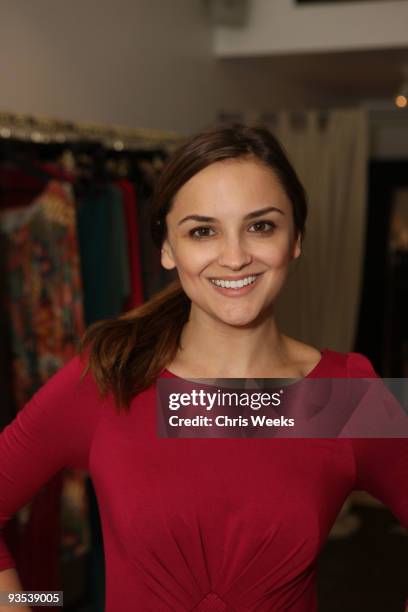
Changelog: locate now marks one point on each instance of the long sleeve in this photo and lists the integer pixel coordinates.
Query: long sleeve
(51, 432)
(381, 464)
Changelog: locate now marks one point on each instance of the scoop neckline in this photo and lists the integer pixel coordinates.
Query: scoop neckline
(323, 352)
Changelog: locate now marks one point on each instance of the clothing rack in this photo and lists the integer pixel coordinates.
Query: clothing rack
(44, 130)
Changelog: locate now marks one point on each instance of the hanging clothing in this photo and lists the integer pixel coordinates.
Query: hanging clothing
(44, 302)
(135, 267)
(8, 406)
(104, 249)
(227, 524)
(17, 189)
(44, 287)
(154, 276)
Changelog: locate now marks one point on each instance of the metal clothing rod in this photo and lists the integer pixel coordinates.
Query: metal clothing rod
(48, 130)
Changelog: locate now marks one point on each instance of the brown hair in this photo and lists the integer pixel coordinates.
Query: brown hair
(127, 353)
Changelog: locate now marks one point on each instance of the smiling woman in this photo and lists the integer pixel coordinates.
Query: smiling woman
(228, 210)
(221, 525)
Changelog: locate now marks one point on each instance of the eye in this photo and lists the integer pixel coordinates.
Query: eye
(193, 233)
(271, 225)
(202, 231)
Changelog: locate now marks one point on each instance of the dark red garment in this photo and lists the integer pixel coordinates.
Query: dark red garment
(217, 524)
(17, 188)
(129, 201)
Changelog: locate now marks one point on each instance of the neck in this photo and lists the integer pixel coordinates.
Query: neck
(211, 348)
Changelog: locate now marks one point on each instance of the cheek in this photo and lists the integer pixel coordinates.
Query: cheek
(281, 259)
(277, 253)
(191, 260)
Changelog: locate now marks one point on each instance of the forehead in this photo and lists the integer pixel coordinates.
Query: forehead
(234, 184)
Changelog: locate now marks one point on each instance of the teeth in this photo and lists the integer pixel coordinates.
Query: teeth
(234, 284)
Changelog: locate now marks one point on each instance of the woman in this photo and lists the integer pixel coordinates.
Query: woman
(203, 524)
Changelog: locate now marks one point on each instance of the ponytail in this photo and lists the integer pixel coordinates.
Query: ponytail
(127, 353)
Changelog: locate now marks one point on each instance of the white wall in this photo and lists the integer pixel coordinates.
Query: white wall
(278, 26)
(145, 63)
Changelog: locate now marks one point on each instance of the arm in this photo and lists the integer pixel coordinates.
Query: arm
(51, 432)
(381, 464)
(382, 471)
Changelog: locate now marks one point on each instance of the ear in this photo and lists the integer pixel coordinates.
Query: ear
(297, 247)
(167, 257)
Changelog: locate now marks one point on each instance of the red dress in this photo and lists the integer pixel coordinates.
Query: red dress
(217, 525)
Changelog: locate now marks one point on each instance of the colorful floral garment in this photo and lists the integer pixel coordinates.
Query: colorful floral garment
(44, 287)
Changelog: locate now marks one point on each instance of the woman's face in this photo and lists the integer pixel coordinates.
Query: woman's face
(232, 220)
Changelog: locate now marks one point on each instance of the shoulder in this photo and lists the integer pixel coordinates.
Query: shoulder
(66, 383)
(347, 365)
(71, 395)
(56, 426)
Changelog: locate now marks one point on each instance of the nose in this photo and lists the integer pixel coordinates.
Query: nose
(233, 254)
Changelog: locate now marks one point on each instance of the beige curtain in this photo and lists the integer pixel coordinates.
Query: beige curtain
(320, 302)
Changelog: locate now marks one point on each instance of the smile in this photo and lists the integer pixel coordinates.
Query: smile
(236, 288)
(234, 284)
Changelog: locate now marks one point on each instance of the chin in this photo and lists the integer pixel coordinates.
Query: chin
(242, 324)
(238, 319)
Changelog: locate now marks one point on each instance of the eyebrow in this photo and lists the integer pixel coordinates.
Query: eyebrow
(251, 215)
